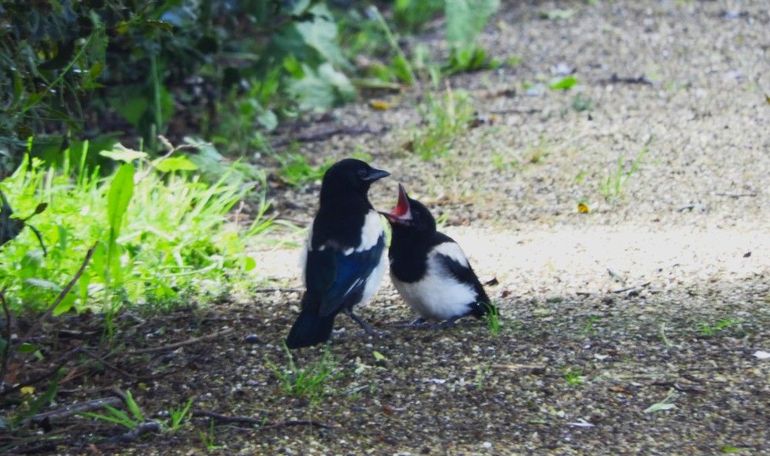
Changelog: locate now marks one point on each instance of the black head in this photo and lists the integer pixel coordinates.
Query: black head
(411, 215)
(349, 177)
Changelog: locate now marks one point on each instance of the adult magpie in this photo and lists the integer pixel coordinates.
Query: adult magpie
(345, 253)
(429, 269)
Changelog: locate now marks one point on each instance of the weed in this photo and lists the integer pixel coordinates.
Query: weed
(309, 382)
(482, 373)
(296, 171)
(581, 103)
(712, 329)
(177, 416)
(666, 404)
(160, 230)
(565, 83)
(209, 438)
(537, 153)
(612, 187)
(574, 376)
(493, 320)
(502, 163)
(445, 117)
(588, 327)
(130, 420)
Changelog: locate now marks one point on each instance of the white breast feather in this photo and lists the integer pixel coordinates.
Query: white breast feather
(371, 231)
(438, 296)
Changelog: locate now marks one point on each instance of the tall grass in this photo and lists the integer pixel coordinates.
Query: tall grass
(161, 232)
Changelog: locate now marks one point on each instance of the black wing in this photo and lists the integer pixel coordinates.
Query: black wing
(335, 280)
(464, 273)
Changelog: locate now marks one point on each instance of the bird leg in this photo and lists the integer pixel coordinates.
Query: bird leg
(418, 323)
(446, 324)
(366, 326)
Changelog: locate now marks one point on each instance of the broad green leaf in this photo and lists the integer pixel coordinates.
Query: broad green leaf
(659, 407)
(42, 283)
(321, 34)
(465, 19)
(26, 347)
(378, 356)
(267, 119)
(121, 191)
(564, 83)
(249, 263)
(65, 305)
(322, 89)
(122, 153)
(170, 164)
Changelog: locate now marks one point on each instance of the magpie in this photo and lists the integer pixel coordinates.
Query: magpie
(345, 258)
(429, 269)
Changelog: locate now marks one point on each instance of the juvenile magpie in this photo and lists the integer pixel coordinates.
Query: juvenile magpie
(429, 269)
(345, 253)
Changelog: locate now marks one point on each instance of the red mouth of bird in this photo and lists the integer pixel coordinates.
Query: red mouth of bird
(402, 211)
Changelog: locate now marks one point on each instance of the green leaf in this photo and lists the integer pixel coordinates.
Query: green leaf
(170, 164)
(465, 19)
(26, 347)
(249, 263)
(321, 35)
(322, 89)
(122, 153)
(42, 283)
(659, 407)
(564, 83)
(121, 191)
(378, 356)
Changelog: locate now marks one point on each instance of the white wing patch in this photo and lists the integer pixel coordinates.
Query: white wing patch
(438, 296)
(371, 231)
(453, 251)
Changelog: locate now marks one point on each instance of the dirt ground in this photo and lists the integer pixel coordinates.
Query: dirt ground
(640, 327)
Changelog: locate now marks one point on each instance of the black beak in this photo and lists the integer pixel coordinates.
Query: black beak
(375, 174)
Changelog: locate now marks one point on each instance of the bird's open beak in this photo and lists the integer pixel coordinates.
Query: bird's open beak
(402, 213)
(375, 174)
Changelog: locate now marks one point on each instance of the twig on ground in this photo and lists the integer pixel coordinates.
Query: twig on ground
(65, 291)
(615, 79)
(108, 364)
(316, 424)
(326, 134)
(635, 287)
(277, 289)
(145, 428)
(176, 345)
(737, 195)
(226, 419)
(78, 407)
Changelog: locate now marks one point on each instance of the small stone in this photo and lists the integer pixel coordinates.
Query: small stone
(252, 339)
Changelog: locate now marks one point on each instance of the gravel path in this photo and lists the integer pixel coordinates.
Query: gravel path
(659, 294)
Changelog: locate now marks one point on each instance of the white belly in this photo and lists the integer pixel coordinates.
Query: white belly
(436, 296)
(375, 279)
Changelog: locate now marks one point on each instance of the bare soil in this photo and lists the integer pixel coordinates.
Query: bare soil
(658, 295)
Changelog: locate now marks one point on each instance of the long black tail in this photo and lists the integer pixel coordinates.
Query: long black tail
(309, 329)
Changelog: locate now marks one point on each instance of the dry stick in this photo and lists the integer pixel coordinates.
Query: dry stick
(225, 419)
(6, 336)
(176, 345)
(108, 365)
(78, 407)
(326, 134)
(62, 294)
